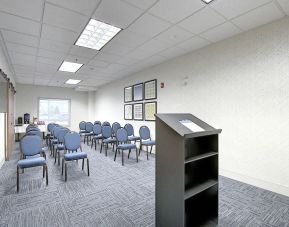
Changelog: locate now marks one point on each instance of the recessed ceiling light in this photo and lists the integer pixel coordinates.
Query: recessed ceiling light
(72, 81)
(207, 1)
(96, 34)
(71, 67)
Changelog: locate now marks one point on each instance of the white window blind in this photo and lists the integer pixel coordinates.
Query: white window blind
(54, 110)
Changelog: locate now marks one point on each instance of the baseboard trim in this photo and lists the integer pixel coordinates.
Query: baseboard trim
(280, 189)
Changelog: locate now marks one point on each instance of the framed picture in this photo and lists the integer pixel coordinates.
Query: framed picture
(150, 89)
(128, 95)
(138, 92)
(138, 111)
(128, 112)
(150, 109)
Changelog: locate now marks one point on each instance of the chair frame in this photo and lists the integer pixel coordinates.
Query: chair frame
(141, 144)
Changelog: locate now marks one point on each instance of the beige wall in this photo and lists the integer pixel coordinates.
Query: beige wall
(240, 85)
(27, 101)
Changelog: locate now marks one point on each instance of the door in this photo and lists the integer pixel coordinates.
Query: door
(10, 122)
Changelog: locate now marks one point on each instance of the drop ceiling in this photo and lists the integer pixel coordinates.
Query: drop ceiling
(39, 35)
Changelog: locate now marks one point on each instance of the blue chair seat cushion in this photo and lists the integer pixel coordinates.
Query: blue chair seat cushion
(60, 146)
(126, 146)
(109, 140)
(149, 142)
(98, 137)
(132, 138)
(75, 156)
(31, 162)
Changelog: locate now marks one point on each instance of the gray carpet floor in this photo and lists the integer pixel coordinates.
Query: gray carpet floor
(116, 195)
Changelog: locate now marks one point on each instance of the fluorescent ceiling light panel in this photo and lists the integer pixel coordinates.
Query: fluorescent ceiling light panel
(71, 67)
(96, 34)
(72, 81)
(207, 1)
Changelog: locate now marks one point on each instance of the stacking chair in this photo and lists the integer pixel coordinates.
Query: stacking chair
(82, 127)
(89, 131)
(107, 138)
(54, 141)
(31, 146)
(97, 135)
(106, 123)
(72, 143)
(31, 127)
(48, 135)
(115, 127)
(130, 133)
(97, 122)
(122, 141)
(51, 134)
(60, 146)
(145, 139)
(34, 132)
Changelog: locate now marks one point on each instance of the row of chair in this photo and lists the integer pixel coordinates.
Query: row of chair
(117, 136)
(62, 139)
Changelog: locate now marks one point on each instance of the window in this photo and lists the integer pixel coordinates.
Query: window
(54, 110)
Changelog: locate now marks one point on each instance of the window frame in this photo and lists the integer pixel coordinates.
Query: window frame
(69, 108)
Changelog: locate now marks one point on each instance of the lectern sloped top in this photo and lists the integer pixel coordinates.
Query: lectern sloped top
(187, 125)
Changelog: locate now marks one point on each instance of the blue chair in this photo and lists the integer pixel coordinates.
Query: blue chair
(97, 122)
(51, 137)
(97, 135)
(107, 138)
(31, 146)
(115, 127)
(48, 134)
(89, 131)
(106, 123)
(130, 133)
(122, 141)
(145, 139)
(31, 127)
(82, 127)
(54, 141)
(72, 142)
(60, 146)
(34, 132)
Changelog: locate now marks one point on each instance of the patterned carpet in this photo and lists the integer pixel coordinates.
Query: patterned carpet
(116, 195)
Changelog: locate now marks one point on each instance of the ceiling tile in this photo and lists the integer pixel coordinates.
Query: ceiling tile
(117, 13)
(54, 46)
(31, 9)
(149, 25)
(143, 4)
(172, 52)
(193, 44)
(83, 52)
(22, 59)
(63, 18)
(19, 24)
(58, 34)
(41, 82)
(77, 59)
(85, 7)
(174, 35)
(43, 75)
(49, 61)
(113, 68)
(174, 11)
(19, 38)
(285, 5)
(117, 48)
(202, 21)
(51, 54)
(23, 69)
(231, 9)
(98, 63)
(107, 57)
(130, 39)
(24, 75)
(127, 61)
(259, 16)
(13, 47)
(45, 68)
(221, 32)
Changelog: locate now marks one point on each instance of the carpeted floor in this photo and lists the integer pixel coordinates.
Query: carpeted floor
(116, 195)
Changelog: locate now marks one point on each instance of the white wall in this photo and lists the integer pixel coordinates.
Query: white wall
(91, 106)
(240, 85)
(27, 101)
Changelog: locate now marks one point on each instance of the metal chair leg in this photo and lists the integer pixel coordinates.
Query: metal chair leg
(43, 171)
(65, 164)
(59, 158)
(91, 143)
(82, 163)
(151, 149)
(147, 153)
(136, 154)
(129, 153)
(87, 163)
(115, 154)
(106, 147)
(122, 157)
(101, 147)
(17, 179)
(62, 166)
(46, 170)
(55, 156)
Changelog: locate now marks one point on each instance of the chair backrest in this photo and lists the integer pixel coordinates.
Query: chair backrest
(52, 127)
(32, 129)
(49, 127)
(129, 129)
(121, 135)
(97, 129)
(106, 131)
(144, 133)
(72, 141)
(88, 127)
(29, 127)
(61, 134)
(31, 145)
(82, 125)
(106, 123)
(115, 127)
(34, 133)
(97, 122)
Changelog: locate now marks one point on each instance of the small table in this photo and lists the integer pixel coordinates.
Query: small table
(22, 129)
